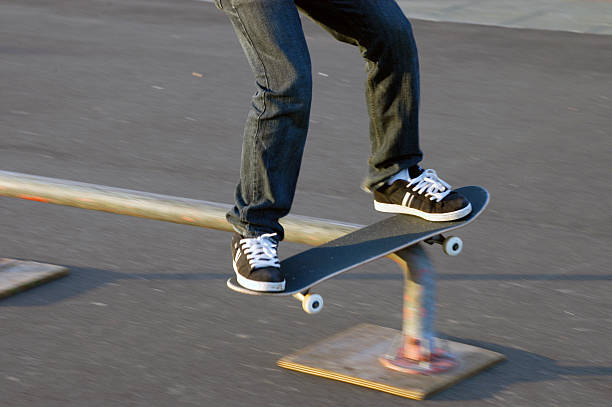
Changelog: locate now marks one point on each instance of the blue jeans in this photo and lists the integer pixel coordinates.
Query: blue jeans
(270, 32)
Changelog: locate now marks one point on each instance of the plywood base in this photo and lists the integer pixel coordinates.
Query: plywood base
(17, 275)
(352, 356)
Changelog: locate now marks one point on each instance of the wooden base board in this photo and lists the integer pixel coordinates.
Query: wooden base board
(17, 275)
(352, 357)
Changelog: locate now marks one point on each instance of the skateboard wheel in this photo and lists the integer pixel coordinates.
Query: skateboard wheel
(452, 245)
(312, 303)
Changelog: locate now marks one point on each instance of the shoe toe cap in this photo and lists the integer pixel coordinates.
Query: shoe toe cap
(267, 274)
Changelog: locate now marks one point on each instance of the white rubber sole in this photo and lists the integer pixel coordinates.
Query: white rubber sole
(261, 286)
(433, 217)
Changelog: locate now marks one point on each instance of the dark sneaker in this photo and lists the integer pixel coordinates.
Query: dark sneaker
(256, 262)
(421, 193)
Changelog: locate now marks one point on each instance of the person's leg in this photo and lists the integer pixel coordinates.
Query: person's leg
(385, 39)
(271, 35)
(384, 36)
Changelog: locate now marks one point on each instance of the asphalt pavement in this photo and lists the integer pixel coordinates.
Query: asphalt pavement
(584, 16)
(152, 95)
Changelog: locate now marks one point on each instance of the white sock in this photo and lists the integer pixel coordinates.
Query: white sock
(403, 174)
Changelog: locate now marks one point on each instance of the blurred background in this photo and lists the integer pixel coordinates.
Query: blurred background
(152, 95)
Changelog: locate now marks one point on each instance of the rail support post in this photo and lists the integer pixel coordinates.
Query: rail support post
(416, 350)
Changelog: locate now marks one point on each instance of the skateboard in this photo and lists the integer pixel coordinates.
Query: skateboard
(313, 266)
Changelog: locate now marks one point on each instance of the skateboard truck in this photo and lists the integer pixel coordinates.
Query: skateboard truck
(311, 303)
(451, 245)
(416, 352)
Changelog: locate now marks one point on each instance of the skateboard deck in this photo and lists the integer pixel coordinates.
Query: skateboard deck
(313, 266)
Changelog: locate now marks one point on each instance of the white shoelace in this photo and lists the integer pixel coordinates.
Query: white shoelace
(429, 184)
(261, 251)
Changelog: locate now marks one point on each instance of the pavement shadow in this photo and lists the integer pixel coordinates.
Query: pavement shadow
(520, 367)
(483, 277)
(83, 279)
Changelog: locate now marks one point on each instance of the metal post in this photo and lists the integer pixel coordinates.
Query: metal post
(416, 352)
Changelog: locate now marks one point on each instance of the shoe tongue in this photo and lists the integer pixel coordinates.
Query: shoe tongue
(273, 237)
